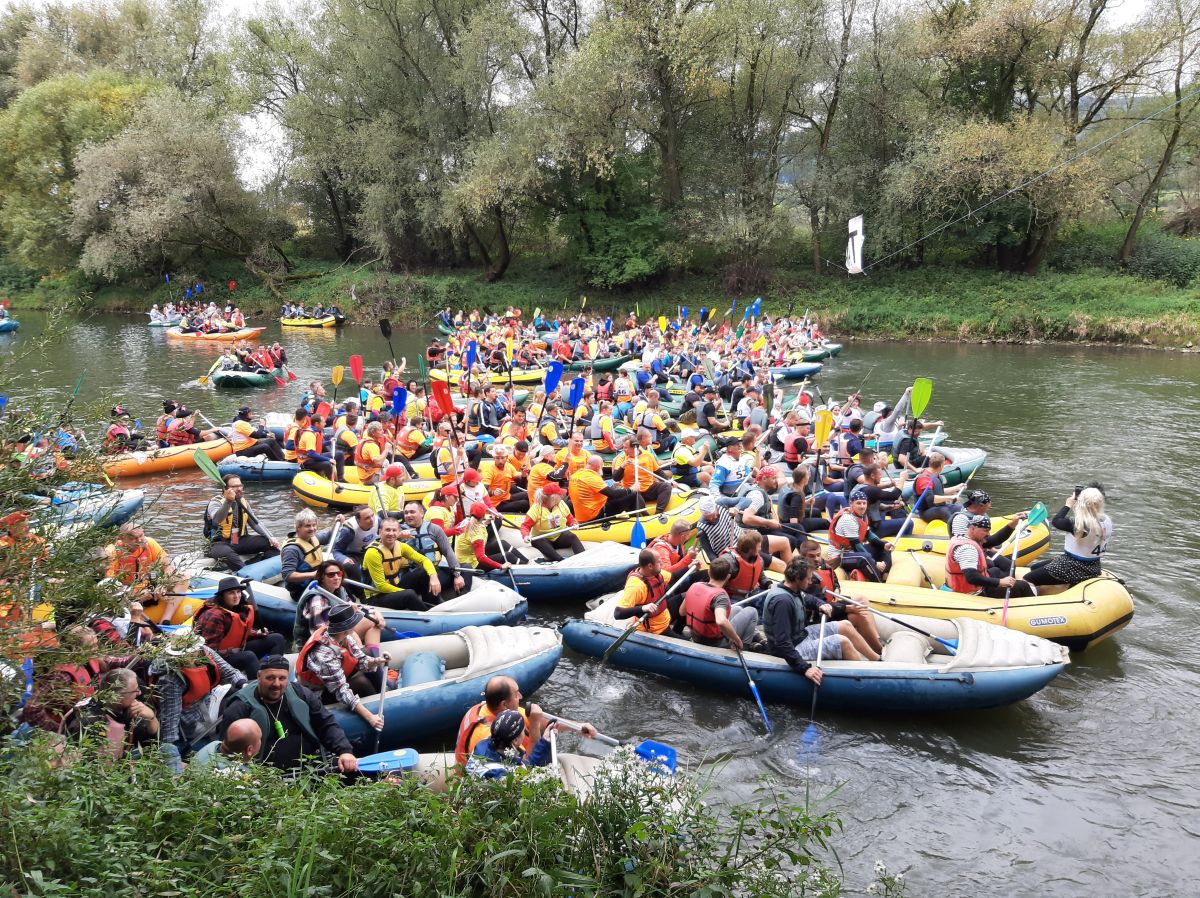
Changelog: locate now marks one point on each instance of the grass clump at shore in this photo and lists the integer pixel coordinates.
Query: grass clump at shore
(130, 829)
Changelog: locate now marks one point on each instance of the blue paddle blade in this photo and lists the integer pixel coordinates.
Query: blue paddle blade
(733, 309)
(757, 306)
(199, 288)
(637, 536)
(576, 392)
(399, 400)
(472, 351)
(659, 756)
(137, 424)
(408, 634)
(746, 315)
(388, 761)
(554, 373)
(683, 312)
(811, 735)
(167, 278)
(3, 402)
(608, 325)
(703, 314)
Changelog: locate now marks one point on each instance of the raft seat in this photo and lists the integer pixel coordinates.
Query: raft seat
(421, 668)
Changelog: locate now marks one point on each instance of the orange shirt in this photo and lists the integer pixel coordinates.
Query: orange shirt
(498, 479)
(575, 460)
(647, 462)
(586, 498)
(637, 593)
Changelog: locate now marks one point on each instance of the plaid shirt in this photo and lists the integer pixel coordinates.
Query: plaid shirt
(325, 660)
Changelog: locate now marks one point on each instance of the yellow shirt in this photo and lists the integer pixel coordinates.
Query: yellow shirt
(392, 496)
(464, 543)
(547, 519)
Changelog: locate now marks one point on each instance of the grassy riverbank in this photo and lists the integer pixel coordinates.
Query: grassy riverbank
(929, 303)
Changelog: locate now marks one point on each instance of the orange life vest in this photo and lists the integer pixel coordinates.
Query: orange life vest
(239, 627)
(199, 682)
(369, 467)
(955, 578)
(177, 433)
(840, 541)
(306, 676)
(701, 617)
(479, 716)
(746, 574)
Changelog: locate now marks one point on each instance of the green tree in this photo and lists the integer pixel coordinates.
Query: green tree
(40, 134)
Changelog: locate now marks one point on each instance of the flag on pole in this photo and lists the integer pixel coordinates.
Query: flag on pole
(854, 246)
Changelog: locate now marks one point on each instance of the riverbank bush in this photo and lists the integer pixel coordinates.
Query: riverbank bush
(1089, 305)
(91, 829)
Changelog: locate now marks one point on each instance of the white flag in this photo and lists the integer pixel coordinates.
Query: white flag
(854, 246)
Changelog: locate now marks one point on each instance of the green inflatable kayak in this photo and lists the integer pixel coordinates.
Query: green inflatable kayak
(240, 380)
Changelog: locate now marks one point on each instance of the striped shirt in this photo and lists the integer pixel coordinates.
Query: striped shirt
(967, 558)
(720, 534)
(847, 526)
(958, 523)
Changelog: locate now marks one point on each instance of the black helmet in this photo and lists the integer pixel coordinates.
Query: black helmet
(507, 729)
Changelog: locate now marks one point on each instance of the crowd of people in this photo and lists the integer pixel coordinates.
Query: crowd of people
(510, 480)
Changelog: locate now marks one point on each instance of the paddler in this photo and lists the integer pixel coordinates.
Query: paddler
(120, 437)
(711, 616)
(387, 496)
(300, 554)
(500, 694)
(226, 624)
(643, 595)
(334, 664)
(548, 514)
(401, 576)
(264, 443)
(140, 563)
(863, 549)
(968, 571)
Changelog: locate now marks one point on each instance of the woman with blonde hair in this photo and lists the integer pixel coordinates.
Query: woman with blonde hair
(1088, 531)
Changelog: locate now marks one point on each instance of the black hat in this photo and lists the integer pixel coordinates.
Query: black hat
(343, 618)
(228, 583)
(980, 520)
(181, 411)
(709, 388)
(275, 662)
(507, 729)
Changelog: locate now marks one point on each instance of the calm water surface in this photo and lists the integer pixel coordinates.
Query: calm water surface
(1089, 788)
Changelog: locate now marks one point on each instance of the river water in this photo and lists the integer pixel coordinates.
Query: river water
(1088, 788)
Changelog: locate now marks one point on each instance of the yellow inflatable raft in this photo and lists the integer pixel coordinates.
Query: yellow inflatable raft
(684, 504)
(1078, 616)
(524, 376)
(315, 490)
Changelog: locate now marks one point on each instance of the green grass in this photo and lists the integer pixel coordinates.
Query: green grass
(939, 303)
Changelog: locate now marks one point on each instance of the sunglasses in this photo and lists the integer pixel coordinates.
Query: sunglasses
(338, 574)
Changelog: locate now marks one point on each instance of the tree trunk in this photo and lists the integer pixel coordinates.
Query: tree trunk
(1148, 196)
(505, 251)
(814, 223)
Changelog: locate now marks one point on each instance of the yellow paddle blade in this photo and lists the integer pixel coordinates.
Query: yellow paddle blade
(583, 304)
(662, 323)
(537, 311)
(823, 426)
(508, 349)
(336, 375)
(593, 348)
(759, 343)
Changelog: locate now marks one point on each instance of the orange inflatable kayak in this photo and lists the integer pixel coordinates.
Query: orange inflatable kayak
(246, 333)
(173, 458)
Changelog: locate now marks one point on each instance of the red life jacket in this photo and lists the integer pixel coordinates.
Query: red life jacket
(955, 578)
(926, 482)
(239, 627)
(701, 617)
(829, 579)
(791, 448)
(81, 675)
(746, 574)
(562, 349)
(668, 555)
(177, 433)
(604, 391)
(160, 427)
(306, 676)
(655, 586)
(199, 681)
(840, 541)
(370, 465)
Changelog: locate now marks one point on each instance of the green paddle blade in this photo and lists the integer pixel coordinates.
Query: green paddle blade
(921, 391)
(1037, 515)
(206, 464)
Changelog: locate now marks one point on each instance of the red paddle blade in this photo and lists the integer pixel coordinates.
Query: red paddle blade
(279, 380)
(356, 368)
(441, 395)
(323, 409)
(291, 374)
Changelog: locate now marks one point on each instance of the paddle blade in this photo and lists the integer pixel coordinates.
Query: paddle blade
(324, 409)
(811, 735)
(704, 314)
(683, 312)
(472, 352)
(921, 391)
(385, 328)
(576, 395)
(608, 325)
(206, 464)
(637, 536)
(1037, 515)
(769, 397)
(554, 373)
(388, 761)
(508, 350)
(662, 323)
(441, 395)
(759, 344)
(657, 755)
(337, 374)
(399, 401)
(823, 427)
(592, 348)
(356, 368)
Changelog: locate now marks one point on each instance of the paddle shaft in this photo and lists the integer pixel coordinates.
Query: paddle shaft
(895, 620)
(812, 711)
(1012, 572)
(754, 691)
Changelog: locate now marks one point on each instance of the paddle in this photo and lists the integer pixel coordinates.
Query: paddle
(554, 373)
(915, 507)
(654, 753)
(821, 429)
(399, 405)
(203, 379)
(637, 620)
(504, 554)
(356, 369)
(385, 328)
(209, 467)
(382, 694)
(637, 536)
(919, 398)
(950, 644)
(1037, 515)
(336, 377)
(469, 363)
(810, 732)
(441, 395)
(754, 691)
(574, 398)
(921, 567)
